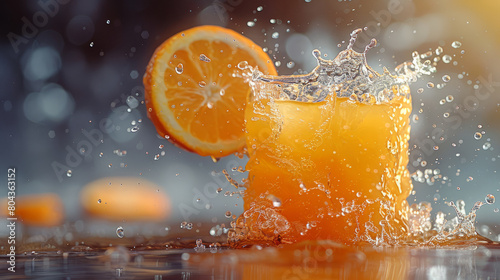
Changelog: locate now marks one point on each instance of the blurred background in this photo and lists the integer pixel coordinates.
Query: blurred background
(68, 66)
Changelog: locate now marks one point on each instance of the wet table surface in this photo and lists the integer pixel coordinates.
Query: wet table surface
(474, 262)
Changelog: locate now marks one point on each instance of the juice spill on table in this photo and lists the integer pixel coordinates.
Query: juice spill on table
(328, 153)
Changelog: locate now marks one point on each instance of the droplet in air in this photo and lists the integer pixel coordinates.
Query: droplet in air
(430, 84)
(132, 102)
(119, 232)
(446, 78)
(490, 199)
(69, 173)
(275, 35)
(202, 84)
(447, 58)
(251, 24)
(486, 146)
(228, 214)
(260, 8)
(290, 64)
(99, 201)
(243, 65)
(456, 44)
(204, 58)
(478, 135)
(179, 68)
(91, 44)
(449, 98)
(108, 21)
(275, 200)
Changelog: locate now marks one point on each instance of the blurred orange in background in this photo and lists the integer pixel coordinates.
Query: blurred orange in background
(125, 198)
(45, 210)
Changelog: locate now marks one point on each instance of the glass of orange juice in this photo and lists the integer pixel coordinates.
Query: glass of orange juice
(328, 155)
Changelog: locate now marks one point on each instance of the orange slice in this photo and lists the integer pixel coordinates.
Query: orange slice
(194, 95)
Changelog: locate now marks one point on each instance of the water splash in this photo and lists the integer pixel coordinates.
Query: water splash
(442, 231)
(347, 75)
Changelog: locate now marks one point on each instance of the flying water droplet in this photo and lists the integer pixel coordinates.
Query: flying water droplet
(91, 44)
(486, 146)
(449, 98)
(132, 102)
(204, 58)
(447, 58)
(99, 201)
(275, 35)
(275, 200)
(228, 214)
(490, 199)
(478, 135)
(456, 44)
(439, 51)
(179, 68)
(202, 84)
(108, 21)
(69, 173)
(250, 24)
(446, 78)
(119, 232)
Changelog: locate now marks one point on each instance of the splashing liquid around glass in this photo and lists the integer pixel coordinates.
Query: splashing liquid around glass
(332, 147)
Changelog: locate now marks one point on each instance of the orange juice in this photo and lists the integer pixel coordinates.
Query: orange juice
(334, 168)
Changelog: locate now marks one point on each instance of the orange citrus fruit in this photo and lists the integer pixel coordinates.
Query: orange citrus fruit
(42, 210)
(194, 94)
